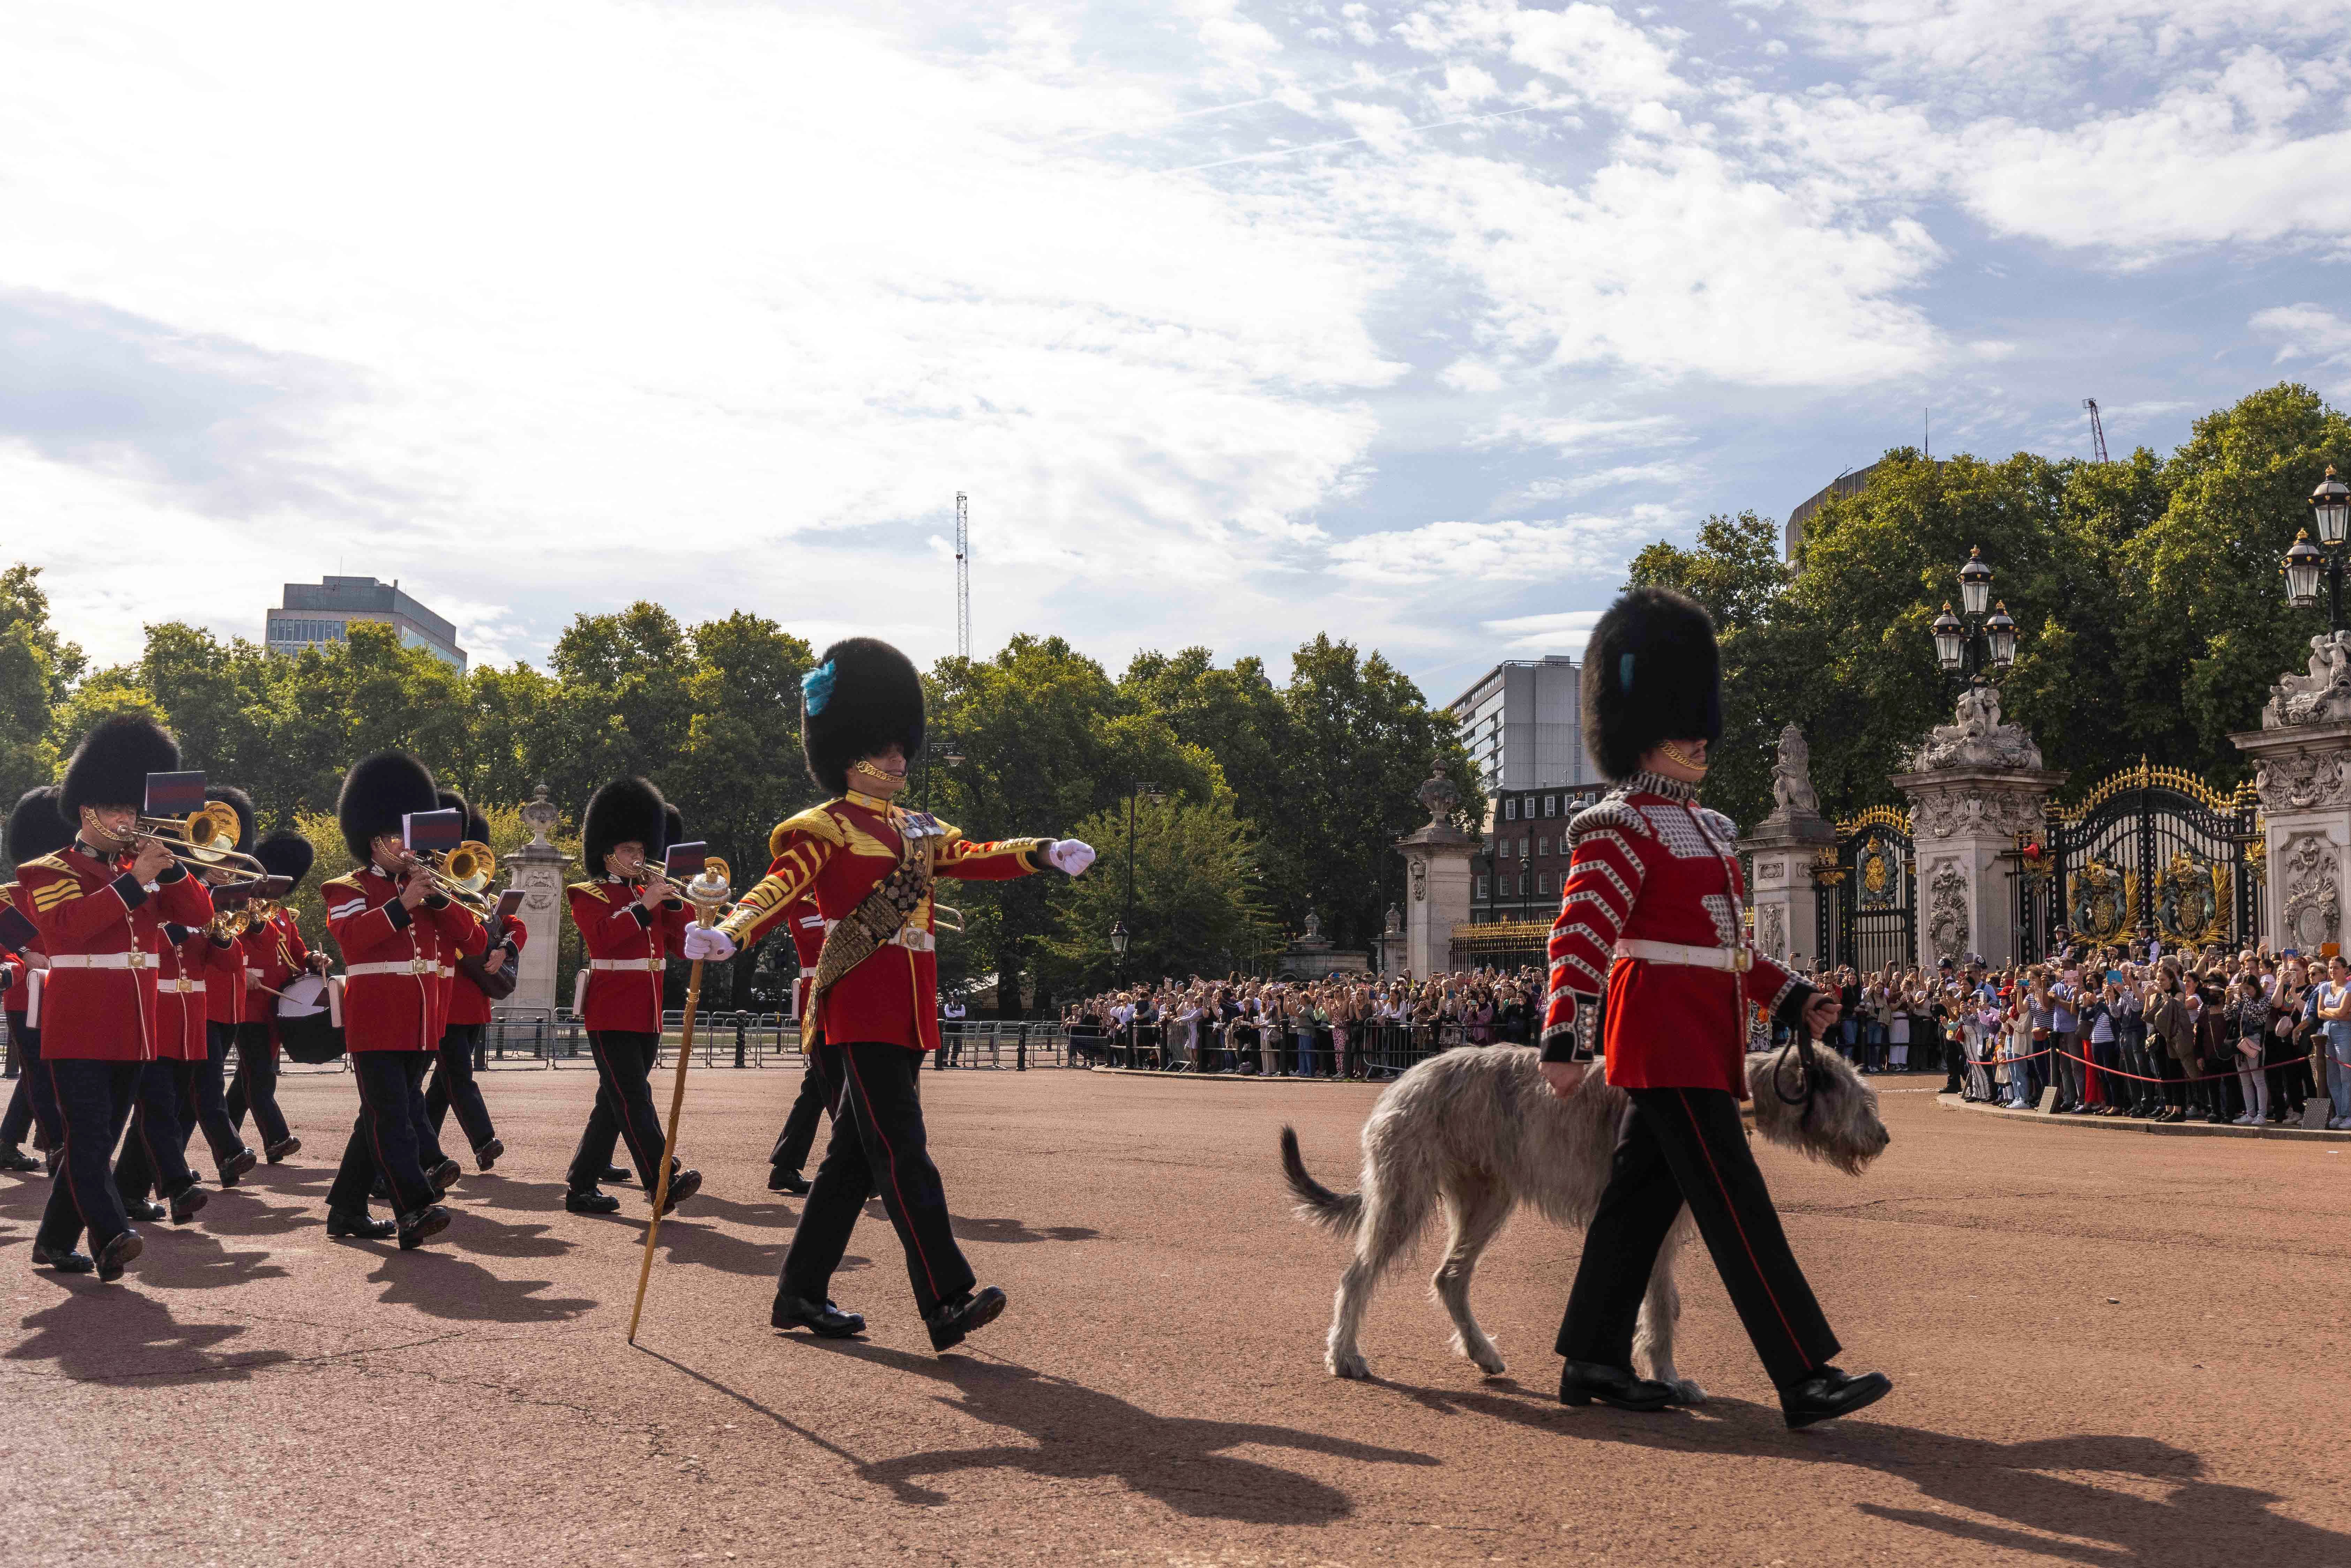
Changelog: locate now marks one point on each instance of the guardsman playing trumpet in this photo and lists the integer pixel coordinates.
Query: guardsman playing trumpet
(869, 865)
(274, 954)
(454, 1087)
(35, 829)
(153, 1156)
(231, 1000)
(100, 904)
(393, 923)
(631, 920)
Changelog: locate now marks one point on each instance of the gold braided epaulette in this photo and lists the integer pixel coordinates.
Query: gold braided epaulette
(817, 822)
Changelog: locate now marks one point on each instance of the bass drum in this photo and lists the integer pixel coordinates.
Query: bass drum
(306, 1022)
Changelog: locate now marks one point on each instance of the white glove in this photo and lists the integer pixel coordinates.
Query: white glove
(708, 942)
(1070, 856)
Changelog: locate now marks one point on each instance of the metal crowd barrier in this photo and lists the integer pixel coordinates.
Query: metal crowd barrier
(1375, 1051)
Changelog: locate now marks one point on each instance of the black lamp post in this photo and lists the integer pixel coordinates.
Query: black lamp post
(2330, 513)
(1122, 932)
(1969, 648)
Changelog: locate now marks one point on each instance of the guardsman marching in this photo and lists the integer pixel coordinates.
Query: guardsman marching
(275, 954)
(469, 1014)
(870, 866)
(163, 1118)
(232, 999)
(1650, 918)
(35, 829)
(100, 904)
(394, 928)
(631, 921)
(805, 921)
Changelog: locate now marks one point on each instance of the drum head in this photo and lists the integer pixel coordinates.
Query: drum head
(303, 997)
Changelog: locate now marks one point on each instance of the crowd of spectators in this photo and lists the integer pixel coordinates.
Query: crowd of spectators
(1343, 1026)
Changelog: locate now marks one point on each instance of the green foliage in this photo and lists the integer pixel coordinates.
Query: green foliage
(1195, 910)
(36, 669)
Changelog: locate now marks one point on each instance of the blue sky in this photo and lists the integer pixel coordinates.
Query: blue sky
(1238, 321)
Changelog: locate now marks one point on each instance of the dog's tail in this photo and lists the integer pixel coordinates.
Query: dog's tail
(1337, 1212)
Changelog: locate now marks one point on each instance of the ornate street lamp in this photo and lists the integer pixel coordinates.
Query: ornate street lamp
(2330, 507)
(2330, 513)
(1950, 641)
(1975, 583)
(1968, 648)
(1118, 937)
(2303, 567)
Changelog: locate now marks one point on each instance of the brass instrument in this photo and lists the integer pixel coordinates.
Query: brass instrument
(715, 874)
(230, 923)
(462, 876)
(203, 840)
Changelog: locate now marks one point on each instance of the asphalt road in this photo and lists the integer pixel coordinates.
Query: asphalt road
(2107, 1350)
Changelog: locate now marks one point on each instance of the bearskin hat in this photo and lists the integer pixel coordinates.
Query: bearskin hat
(672, 826)
(626, 810)
(478, 826)
(1651, 673)
(287, 854)
(241, 803)
(378, 792)
(35, 826)
(109, 768)
(863, 695)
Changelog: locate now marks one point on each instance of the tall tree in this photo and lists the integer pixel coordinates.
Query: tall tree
(1195, 906)
(36, 669)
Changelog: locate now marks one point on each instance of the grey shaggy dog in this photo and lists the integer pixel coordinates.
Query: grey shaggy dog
(1481, 1131)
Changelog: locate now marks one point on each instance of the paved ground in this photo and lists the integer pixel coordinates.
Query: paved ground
(2108, 1351)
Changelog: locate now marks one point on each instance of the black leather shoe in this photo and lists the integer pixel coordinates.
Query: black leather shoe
(188, 1202)
(12, 1158)
(782, 1180)
(488, 1154)
(1829, 1394)
(419, 1225)
(617, 1173)
(67, 1262)
(445, 1175)
(953, 1320)
(1581, 1382)
(238, 1164)
(116, 1255)
(380, 1191)
(281, 1149)
(142, 1208)
(683, 1185)
(360, 1226)
(826, 1321)
(592, 1202)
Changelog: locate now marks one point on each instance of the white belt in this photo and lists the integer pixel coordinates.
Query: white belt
(100, 961)
(419, 967)
(448, 971)
(182, 986)
(641, 966)
(914, 940)
(253, 974)
(1737, 959)
(807, 973)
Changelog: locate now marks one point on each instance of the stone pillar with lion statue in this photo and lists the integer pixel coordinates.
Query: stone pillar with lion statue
(1974, 786)
(2301, 762)
(1783, 848)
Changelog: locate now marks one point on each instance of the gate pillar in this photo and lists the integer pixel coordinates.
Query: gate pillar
(2303, 780)
(1783, 850)
(1436, 867)
(1964, 822)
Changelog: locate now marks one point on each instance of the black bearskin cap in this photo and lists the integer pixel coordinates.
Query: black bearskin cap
(626, 810)
(242, 804)
(1651, 673)
(672, 826)
(478, 826)
(287, 854)
(109, 768)
(378, 792)
(36, 827)
(862, 694)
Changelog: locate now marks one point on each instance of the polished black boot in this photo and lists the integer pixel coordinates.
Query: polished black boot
(617, 1173)
(1581, 1382)
(12, 1158)
(782, 1180)
(419, 1225)
(238, 1164)
(825, 1321)
(953, 1320)
(143, 1209)
(360, 1226)
(488, 1154)
(188, 1202)
(116, 1255)
(65, 1263)
(282, 1148)
(443, 1175)
(1829, 1394)
(590, 1201)
(683, 1185)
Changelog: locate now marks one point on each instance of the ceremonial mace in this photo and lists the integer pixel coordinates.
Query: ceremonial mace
(707, 891)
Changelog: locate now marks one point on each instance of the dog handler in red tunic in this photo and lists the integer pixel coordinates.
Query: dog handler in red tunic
(1650, 917)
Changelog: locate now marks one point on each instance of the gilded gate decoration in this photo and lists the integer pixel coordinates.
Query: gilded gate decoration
(2151, 851)
(1869, 892)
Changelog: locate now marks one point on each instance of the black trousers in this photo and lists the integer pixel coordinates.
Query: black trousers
(817, 1099)
(383, 1137)
(454, 1087)
(624, 1108)
(1686, 1145)
(206, 1106)
(878, 1145)
(428, 1131)
(255, 1085)
(33, 1106)
(94, 1100)
(151, 1159)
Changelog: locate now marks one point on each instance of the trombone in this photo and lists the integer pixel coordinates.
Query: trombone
(463, 874)
(712, 868)
(203, 840)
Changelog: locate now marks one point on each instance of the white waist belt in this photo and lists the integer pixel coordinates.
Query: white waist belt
(640, 965)
(182, 987)
(417, 966)
(100, 961)
(914, 940)
(807, 973)
(1737, 959)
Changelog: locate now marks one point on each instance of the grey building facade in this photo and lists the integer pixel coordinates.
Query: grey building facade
(316, 613)
(1523, 724)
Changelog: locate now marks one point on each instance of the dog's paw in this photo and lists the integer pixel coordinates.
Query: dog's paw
(1350, 1365)
(1685, 1392)
(1489, 1360)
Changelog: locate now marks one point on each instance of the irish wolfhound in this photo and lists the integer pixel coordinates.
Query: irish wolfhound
(1483, 1132)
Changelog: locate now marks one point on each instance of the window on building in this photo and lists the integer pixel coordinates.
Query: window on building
(1542, 882)
(1510, 810)
(1542, 846)
(1481, 888)
(1550, 805)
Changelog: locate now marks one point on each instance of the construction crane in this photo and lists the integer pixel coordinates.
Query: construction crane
(2097, 429)
(963, 576)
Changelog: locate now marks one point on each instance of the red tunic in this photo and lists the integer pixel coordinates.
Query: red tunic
(274, 953)
(104, 936)
(837, 853)
(226, 997)
(20, 991)
(182, 983)
(392, 997)
(626, 945)
(806, 924)
(467, 1003)
(1650, 865)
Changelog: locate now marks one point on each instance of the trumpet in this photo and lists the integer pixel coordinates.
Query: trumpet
(462, 876)
(204, 839)
(716, 875)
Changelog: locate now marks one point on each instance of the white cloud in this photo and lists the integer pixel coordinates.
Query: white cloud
(1507, 551)
(1560, 631)
(2309, 332)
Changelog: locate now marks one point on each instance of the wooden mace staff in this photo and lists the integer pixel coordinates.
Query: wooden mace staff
(707, 891)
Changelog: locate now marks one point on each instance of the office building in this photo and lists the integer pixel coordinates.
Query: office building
(1522, 723)
(317, 614)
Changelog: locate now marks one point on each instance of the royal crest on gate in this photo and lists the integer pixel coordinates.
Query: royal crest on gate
(2102, 900)
(2191, 900)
